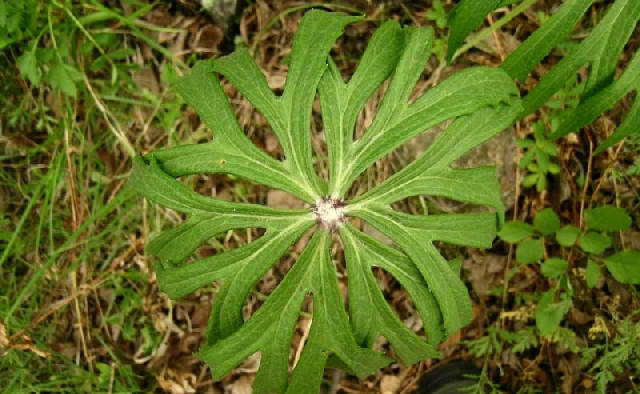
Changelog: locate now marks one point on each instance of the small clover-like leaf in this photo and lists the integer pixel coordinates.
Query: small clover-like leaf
(530, 251)
(549, 314)
(594, 242)
(481, 101)
(554, 267)
(592, 274)
(625, 266)
(515, 230)
(567, 235)
(546, 221)
(607, 218)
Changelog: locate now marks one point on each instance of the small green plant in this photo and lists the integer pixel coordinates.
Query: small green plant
(54, 61)
(565, 256)
(482, 100)
(618, 355)
(438, 14)
(539, 152)
(596, 240)
(537, 158)
(633, 144)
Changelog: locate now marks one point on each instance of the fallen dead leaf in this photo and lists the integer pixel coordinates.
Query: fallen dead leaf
(271, 142)
(25, 345)
(389, 384)
(280, 199)
(570, 368)
(146, 79)
(242, 385)
(207, 38)
(4, 340)
(485, 271)
(449, 346)
(372, 231)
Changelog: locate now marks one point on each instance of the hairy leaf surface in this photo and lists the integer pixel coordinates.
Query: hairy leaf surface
(481, 101)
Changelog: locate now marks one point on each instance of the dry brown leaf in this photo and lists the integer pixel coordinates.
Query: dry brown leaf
(25, 345)
(30, 347)
(570, 368)
(146, 79)
(389, 384)
(280, 199)
(271, 143)
(4, 340)
(485, 271)
(207, 39)
(242, 385)
(372, 231)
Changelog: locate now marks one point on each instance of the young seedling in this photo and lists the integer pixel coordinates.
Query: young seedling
(482, 101)
(596, 240)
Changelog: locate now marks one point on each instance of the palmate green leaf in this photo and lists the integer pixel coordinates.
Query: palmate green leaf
(430, 173)
(64, 77)
(397, 121)
(270, 330)
(207, 217)
(416, 234)
(370, 313)
(341, 102)
(232, 152)
(481, 101)
(28, 65)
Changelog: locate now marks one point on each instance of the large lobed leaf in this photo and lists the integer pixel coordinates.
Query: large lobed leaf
(483, 101)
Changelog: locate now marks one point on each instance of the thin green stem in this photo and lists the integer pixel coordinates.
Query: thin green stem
(115, 203)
